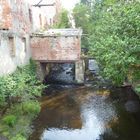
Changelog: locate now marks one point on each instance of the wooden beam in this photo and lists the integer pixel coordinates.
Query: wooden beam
(41, 5)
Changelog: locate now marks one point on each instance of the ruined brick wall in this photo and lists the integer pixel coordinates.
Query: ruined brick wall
(45, 16)
(15, 16)
(15, 28)
(14, 51)
(21, 18)
(52, 12)
(60, 48)
(5, 16)
(58, 8)
(39, 19)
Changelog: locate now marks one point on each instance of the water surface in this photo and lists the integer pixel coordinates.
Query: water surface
(85, 114)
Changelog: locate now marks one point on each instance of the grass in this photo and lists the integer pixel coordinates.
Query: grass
(16, 123)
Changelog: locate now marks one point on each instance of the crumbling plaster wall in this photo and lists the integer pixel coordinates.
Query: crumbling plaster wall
(15, 22)
(8, 63)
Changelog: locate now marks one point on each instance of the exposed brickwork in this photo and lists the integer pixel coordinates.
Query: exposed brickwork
(52, 12)
(15, 28)
(58, 9)
(15, 16)
(5, 16)
(56, 48)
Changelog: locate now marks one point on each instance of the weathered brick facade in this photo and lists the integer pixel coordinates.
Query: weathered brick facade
(15, 16)
(57, 45)
(5, 17)
(51, 10)
(15, 29)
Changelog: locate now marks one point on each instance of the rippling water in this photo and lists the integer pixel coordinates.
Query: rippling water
(85, 114)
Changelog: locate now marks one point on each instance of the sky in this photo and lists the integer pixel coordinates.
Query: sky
(67, 4)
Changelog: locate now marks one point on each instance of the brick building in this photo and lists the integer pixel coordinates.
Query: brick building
(15, 29)
(18, 21)
(58, 46)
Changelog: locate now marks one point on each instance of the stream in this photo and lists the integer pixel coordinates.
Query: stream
(87, 113)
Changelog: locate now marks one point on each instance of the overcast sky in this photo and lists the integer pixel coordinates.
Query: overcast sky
(67, 4)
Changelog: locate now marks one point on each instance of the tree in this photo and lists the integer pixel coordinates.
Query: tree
(63, 20)
(81, 14)
(86, 2)
(113, 34)
(115, 39)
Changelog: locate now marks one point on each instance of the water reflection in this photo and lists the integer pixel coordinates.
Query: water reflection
(84, 114)
(91, 129)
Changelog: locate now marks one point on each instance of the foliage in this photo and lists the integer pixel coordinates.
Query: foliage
(22, 125)
(63, 20)
(138, 89)
(31, 107)
(114, 36)
(86, 2)
(18, 137)
(9, 120)
(23, 85)
(81, 14)
(20, 91)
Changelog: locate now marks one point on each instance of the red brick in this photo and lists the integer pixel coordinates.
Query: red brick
(43, 51)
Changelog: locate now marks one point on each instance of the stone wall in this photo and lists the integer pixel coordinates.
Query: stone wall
(61, 73)
(80, 71)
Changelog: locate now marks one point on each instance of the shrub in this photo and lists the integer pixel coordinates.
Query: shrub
(10, 120)
(138, 89)
(32, 107)
(18, 137)
(22, 84)
(7, 88)
(115, 39)
(20, 91)
(111, 30)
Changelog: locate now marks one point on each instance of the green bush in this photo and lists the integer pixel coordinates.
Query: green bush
(10, 120)
(22, 84)
(115, 39)
(19, 91)
(7, 88)
(63, 20)
(18, 137)
(32, 107)
(111, 30)
(138, 89)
